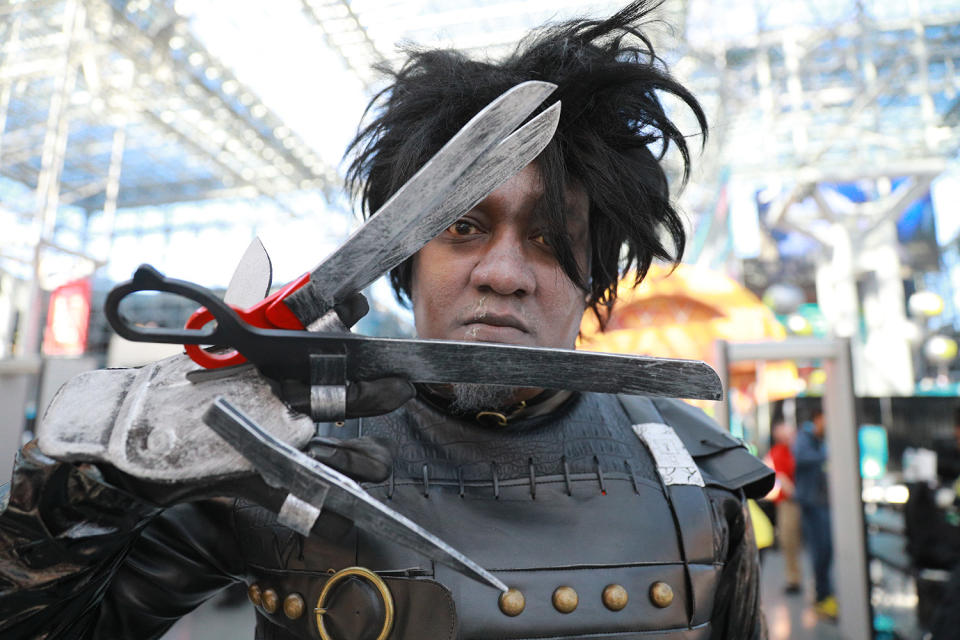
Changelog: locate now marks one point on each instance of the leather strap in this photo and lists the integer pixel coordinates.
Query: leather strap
(355, 611)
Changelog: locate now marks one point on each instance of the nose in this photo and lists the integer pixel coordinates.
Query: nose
(503, 268)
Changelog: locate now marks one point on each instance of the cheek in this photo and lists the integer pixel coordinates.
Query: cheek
(434, 289)
(564, 311)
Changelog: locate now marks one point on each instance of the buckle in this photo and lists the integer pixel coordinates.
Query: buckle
(377, 583)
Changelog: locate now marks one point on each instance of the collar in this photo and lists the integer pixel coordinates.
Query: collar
(543, 403)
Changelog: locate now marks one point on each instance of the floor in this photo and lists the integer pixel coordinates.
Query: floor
(790, 617)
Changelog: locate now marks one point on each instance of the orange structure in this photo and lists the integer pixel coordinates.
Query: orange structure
(681, 314)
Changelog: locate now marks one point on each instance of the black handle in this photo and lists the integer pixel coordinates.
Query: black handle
(228, 326)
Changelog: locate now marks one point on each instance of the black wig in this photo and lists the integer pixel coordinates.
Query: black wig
(611, 139)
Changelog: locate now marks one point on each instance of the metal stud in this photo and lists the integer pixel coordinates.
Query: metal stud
(565, 599)
(293, 606)
(512, 602)
(253, 592)
(270, 601)
(614, 597)
(661, 594)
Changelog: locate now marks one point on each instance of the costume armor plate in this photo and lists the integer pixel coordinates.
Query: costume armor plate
(569, 499)
(574, 500)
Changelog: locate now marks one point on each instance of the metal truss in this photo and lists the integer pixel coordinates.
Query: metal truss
(862, 95)
(365, 31)
(106, 105)
(865, 97)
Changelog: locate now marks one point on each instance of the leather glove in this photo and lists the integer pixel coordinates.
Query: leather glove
(143, 427)
(359, 399)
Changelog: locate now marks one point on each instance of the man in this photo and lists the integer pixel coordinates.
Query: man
(552, 491)
(810, 452)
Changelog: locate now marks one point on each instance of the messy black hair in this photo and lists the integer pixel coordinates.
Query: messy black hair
(611, 139)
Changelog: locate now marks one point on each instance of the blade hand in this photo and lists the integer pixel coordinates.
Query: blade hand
(313, 485)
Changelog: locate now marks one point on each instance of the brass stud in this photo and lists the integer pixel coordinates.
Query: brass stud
(565, 599)
(512, 602)
(270, 601)
(614, 597)
(293, 606)
(661, 594)
(253, 592)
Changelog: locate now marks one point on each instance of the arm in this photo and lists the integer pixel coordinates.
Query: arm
(63, 534)
(736, 606)
(81, 558)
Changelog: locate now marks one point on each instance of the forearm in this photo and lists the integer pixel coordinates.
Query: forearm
(63, 535)
(736, 609)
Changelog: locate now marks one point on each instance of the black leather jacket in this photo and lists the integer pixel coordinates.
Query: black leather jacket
(569, 499)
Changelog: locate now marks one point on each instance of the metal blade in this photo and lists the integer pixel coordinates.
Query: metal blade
(309, 356)
(284, 467)
(251, 279)
(359, 261)
(441, 361)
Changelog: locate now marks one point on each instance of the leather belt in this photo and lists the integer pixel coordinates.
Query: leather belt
(356, 604)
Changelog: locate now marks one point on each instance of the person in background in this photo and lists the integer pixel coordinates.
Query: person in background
(789, 536)
(810, 454)
(948, 455)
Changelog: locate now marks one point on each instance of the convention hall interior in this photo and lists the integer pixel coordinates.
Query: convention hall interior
(822, 269)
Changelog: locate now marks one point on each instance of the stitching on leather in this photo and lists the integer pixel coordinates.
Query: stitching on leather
(588, 567)
(533, 481)
(516, 482)
(603, 487)
(633, 476)
(452, 608)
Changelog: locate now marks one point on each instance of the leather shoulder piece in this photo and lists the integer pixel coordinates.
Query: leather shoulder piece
(723, 460)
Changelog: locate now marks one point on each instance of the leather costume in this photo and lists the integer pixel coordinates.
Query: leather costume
(572, 499)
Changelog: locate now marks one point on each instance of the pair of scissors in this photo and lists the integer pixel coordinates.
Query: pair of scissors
(283, 335)
(480, 157)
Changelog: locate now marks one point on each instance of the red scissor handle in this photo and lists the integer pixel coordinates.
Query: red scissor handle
(269, 313)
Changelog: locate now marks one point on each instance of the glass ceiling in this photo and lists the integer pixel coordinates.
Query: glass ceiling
(118, 118)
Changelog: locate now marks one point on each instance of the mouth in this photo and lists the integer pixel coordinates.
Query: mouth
(506, 321)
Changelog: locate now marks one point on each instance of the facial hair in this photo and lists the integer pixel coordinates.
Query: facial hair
(470, 398)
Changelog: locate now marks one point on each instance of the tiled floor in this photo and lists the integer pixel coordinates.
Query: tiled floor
(790, 617)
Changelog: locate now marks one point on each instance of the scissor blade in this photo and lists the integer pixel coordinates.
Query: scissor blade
(340, 357)
(360, 260)
(251, 279)
(441, 361)
(284, 467)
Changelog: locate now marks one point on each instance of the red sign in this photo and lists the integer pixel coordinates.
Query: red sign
(68, 319)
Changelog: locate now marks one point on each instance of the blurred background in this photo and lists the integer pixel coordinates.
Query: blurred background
(823, 267)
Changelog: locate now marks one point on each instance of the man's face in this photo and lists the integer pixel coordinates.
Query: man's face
(819, 425)
(491, 277)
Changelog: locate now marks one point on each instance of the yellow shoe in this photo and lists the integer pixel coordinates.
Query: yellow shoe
(827, 607)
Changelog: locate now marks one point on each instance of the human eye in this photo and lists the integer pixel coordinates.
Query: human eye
(463, 227)
(540, 238)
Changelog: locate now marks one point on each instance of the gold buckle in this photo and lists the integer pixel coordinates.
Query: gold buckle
(378, 584)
